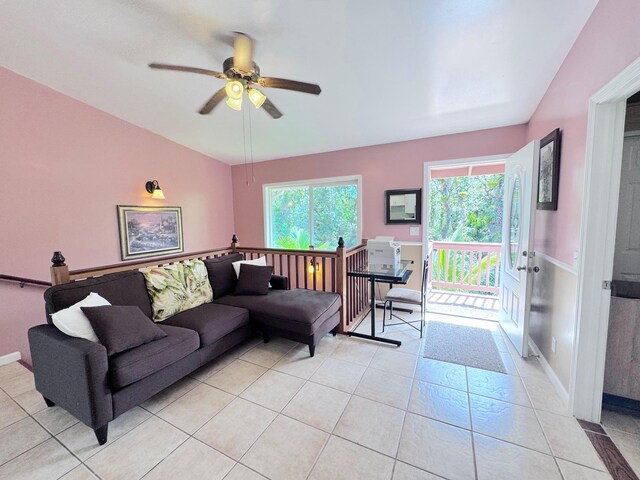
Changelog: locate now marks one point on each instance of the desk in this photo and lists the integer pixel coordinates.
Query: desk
(386, 275)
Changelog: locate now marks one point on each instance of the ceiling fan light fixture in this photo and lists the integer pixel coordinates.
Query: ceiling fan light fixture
(256, 97)
(234, 90)
(235, 103)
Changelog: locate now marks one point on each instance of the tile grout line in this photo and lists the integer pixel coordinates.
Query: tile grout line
(471, 431)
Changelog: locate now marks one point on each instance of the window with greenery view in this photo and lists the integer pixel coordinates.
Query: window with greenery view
(303, 214)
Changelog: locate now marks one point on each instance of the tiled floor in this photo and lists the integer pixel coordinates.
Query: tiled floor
(357, 410)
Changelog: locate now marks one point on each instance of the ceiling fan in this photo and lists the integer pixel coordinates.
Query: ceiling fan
(242, 74)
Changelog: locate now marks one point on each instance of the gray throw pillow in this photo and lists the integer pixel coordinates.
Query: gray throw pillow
(253, 279)
(122, 327)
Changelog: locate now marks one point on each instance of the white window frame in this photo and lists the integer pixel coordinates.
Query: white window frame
(324, 182)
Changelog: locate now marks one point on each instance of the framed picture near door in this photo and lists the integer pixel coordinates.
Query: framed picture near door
(549, 171)
(403, 206)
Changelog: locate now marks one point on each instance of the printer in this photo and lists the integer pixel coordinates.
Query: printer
(383, 252)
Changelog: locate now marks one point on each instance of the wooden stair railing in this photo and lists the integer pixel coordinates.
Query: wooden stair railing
(22, 281)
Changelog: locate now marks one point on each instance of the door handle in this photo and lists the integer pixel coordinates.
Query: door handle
(535, 269)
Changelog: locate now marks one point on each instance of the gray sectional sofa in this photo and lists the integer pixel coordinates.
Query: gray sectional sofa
(78, 375)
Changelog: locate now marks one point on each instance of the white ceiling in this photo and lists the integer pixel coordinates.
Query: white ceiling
(389, 70)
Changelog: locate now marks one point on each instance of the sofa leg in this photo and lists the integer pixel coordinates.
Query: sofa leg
(101, 434)
(49, 402)
(334, 332)
(265, 336)
(312, 350)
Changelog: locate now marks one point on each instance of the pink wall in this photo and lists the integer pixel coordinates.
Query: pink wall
(607, 44)
(383, 167)
(65, 166)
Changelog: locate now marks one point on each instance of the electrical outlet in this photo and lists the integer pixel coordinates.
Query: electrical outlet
(414, 231)
(553, 344)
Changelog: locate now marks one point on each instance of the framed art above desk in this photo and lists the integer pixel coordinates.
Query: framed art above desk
(403, 206)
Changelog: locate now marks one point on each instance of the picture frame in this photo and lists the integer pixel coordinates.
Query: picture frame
(549, 172)
(149, 231)
(403, 206)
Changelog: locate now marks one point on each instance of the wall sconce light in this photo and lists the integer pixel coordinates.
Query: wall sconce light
(314, 267)
(153, 187)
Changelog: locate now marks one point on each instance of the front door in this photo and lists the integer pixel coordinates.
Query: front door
(520, 181)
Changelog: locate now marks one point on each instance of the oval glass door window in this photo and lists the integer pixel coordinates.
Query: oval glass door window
(514, 221)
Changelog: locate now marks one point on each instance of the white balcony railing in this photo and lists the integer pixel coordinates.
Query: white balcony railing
(465, 266)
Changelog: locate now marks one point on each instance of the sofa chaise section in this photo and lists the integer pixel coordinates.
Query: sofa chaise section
(304, 316)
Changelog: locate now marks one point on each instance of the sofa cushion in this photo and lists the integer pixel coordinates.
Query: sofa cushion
(253, 280)
(122, 288)
(222, 276)
(298, 310)
(121, 327)
(212, 321)
(132, 365)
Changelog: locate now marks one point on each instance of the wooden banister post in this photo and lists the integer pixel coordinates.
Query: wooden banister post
(59, 270)
(341, 282)
(234, 243)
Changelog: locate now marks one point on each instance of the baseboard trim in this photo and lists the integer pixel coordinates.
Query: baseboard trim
(555, 381)
(10, 358)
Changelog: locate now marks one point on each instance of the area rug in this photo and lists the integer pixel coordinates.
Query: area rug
(470, 346)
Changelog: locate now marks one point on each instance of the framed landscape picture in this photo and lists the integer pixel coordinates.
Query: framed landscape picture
(149, 231)
(549, 171)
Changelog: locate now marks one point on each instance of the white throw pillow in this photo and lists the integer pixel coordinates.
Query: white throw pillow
(74, 322)
(261, 261)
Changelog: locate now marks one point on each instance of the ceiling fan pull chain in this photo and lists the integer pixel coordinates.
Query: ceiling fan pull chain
(244, 146)
(251, 146)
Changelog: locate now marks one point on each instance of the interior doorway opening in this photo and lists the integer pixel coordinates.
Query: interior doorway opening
(621, 391)
(605, 138)
(463, 234)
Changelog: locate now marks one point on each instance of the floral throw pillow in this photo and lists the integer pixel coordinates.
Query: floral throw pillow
(197, 284)
(178, 287)
(166, 287)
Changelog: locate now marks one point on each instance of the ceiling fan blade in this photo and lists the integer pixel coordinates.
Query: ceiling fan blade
(290, 85)
(243, 52)
(271, 109)
(202, 71)
(213, 101)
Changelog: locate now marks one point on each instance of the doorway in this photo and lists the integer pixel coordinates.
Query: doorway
(620, 414)
(463, 235)
(599, 218)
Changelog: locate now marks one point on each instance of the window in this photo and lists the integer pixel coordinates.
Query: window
(314, 213)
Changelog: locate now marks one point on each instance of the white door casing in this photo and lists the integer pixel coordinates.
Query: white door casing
(520, 180)
(626, 261)
(605, 134)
